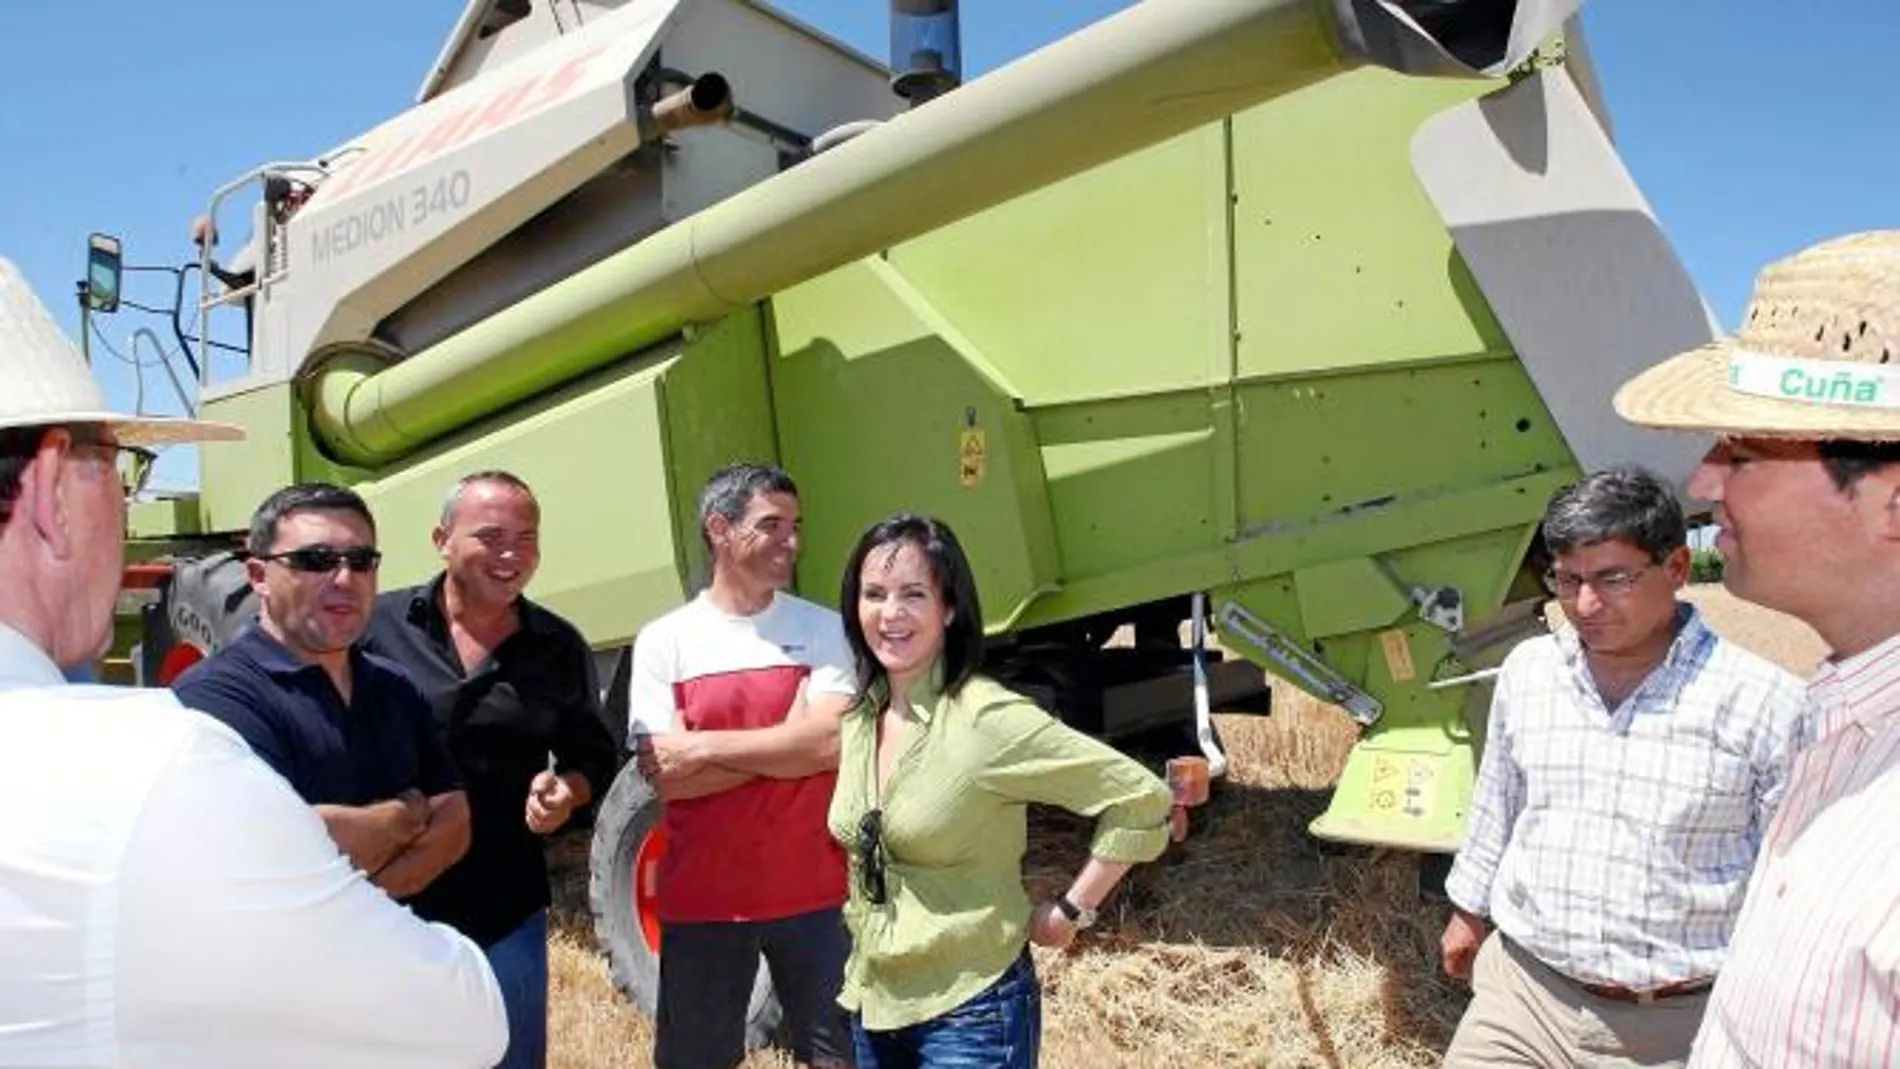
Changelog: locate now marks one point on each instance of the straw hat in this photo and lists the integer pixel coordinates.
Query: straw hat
(44, 381)
(1818, 355)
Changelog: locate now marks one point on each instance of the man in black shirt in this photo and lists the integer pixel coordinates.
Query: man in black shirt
(513, 691)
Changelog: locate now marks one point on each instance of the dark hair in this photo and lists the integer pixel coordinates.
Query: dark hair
(18, 447)
(1625, 504)
(963, 635)
(1848, 462)
(733, 487)
(303, 497)
(505, 478)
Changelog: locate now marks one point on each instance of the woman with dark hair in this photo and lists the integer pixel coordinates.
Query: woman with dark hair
(937, 765)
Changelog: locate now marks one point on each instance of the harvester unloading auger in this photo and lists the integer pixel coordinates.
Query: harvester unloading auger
(1280, 316)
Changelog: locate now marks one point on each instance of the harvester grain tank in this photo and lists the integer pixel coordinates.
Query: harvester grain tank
(1280, 316)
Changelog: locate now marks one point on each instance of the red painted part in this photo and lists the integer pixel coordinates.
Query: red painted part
(180, 657)
(646, 887)
(144, 576)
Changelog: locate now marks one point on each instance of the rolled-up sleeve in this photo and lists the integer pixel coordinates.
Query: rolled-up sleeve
(1041, 760)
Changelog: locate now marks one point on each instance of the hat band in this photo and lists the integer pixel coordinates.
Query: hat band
(1814, 382)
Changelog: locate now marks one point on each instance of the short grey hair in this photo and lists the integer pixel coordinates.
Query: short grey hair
(1625, 504)
(733, 487)
(453, 499)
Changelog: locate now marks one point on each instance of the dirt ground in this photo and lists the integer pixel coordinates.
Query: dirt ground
(1252, 944)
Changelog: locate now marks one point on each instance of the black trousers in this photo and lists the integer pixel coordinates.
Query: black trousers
(706, 976)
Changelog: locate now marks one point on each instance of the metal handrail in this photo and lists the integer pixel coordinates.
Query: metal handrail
(266, 241)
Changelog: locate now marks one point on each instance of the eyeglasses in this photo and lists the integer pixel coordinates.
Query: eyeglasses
(1609, 583)
(134, 463)
(323, 560)
(871, 857)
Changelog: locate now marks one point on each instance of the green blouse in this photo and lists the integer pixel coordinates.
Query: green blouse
(954, 829)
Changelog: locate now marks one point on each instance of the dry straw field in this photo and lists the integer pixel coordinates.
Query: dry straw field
(1251, 944)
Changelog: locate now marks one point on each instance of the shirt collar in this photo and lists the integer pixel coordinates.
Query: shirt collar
(24, 664)
(1687, 650)
(275, 658)
(1850, 691)
(925, 693)
(426, 612)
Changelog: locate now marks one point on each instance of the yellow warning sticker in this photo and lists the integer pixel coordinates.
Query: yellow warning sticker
(1403, 785)
(972, 457)
(1398, 655)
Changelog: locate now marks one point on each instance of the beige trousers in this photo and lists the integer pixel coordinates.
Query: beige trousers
(1525, 1014)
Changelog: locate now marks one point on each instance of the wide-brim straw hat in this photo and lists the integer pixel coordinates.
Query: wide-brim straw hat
(44, 382)
(1817, 356)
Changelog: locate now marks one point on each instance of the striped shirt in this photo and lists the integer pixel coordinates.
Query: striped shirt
(1615, 845)
(1814, 980)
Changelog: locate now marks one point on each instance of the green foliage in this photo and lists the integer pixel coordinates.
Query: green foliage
(1705, 566)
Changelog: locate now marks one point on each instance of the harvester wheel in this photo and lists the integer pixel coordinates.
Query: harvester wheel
(201, 607)
(623, 868)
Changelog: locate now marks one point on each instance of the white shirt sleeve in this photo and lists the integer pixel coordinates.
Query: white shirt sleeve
(246, 937)
(833, 669)
(650, 706)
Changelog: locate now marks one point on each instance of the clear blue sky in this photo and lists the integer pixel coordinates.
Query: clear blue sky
(1754, 127)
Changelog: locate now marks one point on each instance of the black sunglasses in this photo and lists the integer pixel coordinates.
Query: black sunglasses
(322, 560)
(871, 857)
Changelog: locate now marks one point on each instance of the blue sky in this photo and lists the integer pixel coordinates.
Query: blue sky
(1753, 127)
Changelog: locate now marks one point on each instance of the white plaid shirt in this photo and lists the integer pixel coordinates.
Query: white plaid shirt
(1616, 845)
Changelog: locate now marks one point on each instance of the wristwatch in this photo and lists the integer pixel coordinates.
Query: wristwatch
(1081, 918)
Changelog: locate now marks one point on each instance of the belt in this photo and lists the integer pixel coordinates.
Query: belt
(1654, 994)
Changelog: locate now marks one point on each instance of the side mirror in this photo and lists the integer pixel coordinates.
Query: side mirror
(104, 265)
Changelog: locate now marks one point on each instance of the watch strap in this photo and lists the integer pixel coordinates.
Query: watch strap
(1081, 918)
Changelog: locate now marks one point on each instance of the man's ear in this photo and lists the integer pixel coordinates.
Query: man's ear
(1886, 484)
(1676, 564)
(440, 536)
(718, 529)
(254, 571)
(43, 489)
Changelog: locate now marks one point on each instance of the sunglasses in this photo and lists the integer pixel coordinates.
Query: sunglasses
(323, 560)
(871, 857)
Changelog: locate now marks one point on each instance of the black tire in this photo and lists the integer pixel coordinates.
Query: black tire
(628, 814)
(203, 605)
(615, 699)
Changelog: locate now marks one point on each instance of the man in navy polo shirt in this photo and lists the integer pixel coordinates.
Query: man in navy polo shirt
(349, 731)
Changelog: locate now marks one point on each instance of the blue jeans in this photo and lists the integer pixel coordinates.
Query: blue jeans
(520, 962)
(998, 1028)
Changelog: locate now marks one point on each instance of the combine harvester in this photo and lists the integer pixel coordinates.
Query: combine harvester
(1282, 318)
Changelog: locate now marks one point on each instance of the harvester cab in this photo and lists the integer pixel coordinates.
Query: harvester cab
(536, 146)
(1279, 318)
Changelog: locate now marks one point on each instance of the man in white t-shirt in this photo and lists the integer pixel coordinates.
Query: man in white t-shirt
(166, 900)
(734, 704)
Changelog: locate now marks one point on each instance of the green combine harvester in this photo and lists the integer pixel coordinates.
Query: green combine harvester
(1275, 319)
